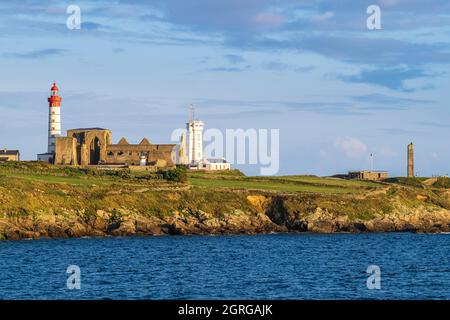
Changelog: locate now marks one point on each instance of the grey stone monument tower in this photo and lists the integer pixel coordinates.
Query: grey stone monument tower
(411, 160)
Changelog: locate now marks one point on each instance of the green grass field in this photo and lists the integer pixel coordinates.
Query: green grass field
(57, 179)
(269, 185)
(30, 189)
(312, 184)
(234, 179)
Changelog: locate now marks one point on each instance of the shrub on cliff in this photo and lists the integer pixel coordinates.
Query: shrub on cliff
(442, 182)
(407, 181)
(175, 175)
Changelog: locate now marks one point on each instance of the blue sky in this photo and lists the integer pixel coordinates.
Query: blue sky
(336, 90)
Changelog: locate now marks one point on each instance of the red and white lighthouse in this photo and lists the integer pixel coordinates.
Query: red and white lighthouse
(54, 119)
(54, 125)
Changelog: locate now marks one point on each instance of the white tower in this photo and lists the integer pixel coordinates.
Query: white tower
(195, 136)
(54, 119)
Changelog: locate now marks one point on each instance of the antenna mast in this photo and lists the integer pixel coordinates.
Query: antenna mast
(371, 161)
(191, 113)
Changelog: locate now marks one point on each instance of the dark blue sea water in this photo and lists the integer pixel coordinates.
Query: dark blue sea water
(283, 266)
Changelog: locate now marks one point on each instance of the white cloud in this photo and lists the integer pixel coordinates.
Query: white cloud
(268, 19)
(351, 147)
(390, 3)
(323, 17)
(323, 153)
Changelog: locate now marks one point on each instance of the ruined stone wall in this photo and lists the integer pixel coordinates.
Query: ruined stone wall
(91, 145)
(130, 154)
(66, 151)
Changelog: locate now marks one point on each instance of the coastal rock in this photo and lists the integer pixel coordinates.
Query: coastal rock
(183, 212)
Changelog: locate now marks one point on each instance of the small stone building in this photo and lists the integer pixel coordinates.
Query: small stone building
(368, 175)
(9, 155)
(93, 146)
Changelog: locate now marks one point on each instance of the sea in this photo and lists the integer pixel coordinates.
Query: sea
(277, 266)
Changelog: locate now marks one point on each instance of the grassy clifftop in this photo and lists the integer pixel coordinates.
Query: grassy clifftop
(39, 200)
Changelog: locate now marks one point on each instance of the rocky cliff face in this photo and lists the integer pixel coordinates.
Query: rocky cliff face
(105, 224)
(244, 212)
(373, 212)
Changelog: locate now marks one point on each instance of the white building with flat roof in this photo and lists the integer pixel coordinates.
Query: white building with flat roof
(216, 164)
